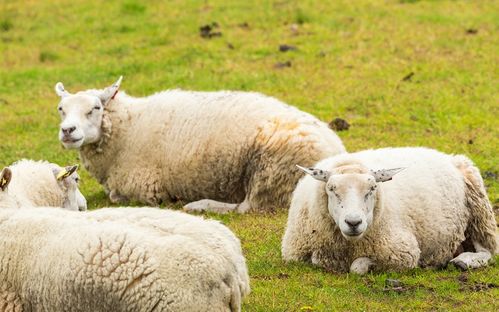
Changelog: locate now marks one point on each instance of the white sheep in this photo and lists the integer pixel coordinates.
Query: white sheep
(112, 265)
(29, 183)
(207, 147)
(354, 217)
(210, 233)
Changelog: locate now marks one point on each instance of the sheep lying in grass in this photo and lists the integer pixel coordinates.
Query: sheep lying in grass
(29, 183)
(224, 150)
(354, 217)
(113, 265)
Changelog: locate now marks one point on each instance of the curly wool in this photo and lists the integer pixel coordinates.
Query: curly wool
(226, 146)
(210, 233)
(421, 217)
(113, 265)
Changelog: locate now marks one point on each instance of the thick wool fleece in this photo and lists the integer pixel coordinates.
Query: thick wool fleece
(56, 260)
(33, 184)
(209, 233)
(421, 217)
(225, 146)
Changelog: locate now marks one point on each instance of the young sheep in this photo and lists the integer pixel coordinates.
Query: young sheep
(224, 150)
(113, 265)
(29, 183)
(354, 217)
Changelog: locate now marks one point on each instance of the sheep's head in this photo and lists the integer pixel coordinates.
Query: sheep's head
(82, 114)
(352, 194)
(68, 180)
(5, 178)
(62, 191)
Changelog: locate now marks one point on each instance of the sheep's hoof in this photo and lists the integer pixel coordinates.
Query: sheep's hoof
(472, 260)
(459, 264)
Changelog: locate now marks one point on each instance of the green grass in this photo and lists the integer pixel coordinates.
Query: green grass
(351, 61)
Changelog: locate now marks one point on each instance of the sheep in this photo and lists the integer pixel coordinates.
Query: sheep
(390, 209)
(210, 233)
(28, 183)
(112, 265)
(218, 151)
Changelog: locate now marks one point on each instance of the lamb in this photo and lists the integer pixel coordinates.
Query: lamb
(220, 151)
(29, 183)
(391, 209)
(113, 265)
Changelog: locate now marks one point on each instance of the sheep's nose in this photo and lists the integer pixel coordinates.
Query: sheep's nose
(353, 223)
(68, 130)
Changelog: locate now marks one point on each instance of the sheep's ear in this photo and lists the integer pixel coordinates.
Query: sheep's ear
(5, 177)
(110, 92)
(384, 175)
(66, 172)
(318, 174)
(59, 89)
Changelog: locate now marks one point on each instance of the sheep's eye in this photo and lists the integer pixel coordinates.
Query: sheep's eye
(89, 113)
(60, 109)
(97, 107)
(77, 180)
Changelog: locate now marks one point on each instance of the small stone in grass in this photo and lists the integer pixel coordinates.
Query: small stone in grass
(283, 64)
(286, 48)
(393, 282)
(339, 124)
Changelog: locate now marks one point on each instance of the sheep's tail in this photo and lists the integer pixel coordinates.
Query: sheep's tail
(482, 225)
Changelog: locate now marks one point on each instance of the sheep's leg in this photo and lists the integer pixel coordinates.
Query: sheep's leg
(473, 260)
(216, 206)
(361, 265)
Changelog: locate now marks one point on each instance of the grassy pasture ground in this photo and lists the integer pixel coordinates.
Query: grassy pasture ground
(401, 72)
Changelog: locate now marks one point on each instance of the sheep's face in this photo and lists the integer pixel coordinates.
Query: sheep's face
(352, 193)
(82, 115)
(68, 180)
(5, 199)
(351, 199)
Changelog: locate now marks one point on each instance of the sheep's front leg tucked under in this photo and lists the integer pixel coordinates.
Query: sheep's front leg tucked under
(361, 265)
(473, 260)
(216, 206)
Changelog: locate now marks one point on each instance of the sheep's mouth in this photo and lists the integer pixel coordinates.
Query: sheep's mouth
(353, 234)
(71, 140)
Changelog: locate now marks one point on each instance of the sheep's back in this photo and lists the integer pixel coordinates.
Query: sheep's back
(205, 143)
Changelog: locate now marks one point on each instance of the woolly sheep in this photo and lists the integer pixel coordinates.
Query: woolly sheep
(210, 233)
(206, 147)
(354, 217)
(113, 265)
(29, 183)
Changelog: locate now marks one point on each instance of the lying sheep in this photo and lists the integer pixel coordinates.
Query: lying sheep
(113, 265)
(354, 217)
(225, 150)
(29, 183)
(210, 233)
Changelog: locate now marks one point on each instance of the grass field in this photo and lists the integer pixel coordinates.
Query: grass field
(401, 72)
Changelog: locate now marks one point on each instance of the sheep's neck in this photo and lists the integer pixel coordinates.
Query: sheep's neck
(99, 157)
